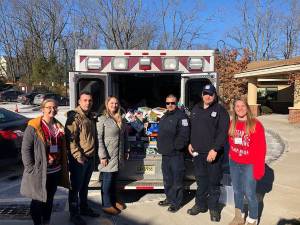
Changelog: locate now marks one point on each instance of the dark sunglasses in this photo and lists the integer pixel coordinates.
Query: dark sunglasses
(170, 103)
(206, 93)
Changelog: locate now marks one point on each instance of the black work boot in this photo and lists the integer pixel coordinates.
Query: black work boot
(164, 203)
(77, 220)
(86, 211)
(215, 215)
(196, 210)
(173, 209)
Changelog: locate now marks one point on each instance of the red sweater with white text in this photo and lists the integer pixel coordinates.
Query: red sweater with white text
(249, 149)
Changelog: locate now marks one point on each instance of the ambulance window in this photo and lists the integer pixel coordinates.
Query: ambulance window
(96, 87)
(193, 89)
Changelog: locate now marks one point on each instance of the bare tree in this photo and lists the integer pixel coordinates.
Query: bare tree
(120, 23)
(180, 26)
(30, 30)
(9, 42)
(258, 30)
(290, 30)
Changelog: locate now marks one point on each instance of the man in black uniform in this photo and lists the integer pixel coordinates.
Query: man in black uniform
(209, 127)
(173, 138)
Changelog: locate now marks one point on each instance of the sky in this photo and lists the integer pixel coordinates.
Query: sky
(225, 19)
(224, 15)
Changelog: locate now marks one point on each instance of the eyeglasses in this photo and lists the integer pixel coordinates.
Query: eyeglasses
(206, 93)
(51, 107)
(170, 103)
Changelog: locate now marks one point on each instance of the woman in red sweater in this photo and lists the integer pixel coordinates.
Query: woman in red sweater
(246, 159)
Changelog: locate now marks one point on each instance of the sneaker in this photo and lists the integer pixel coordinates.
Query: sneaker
(164, 203)
(88, 212)
(77, 220)
(215, 216)
(196, 210)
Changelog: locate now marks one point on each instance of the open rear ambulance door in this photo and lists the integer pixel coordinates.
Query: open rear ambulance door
(96, 84)
(192, 86)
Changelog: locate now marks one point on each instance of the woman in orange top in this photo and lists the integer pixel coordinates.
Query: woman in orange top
(45, 162)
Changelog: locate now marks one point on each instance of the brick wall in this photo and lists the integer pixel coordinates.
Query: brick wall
(294, 115)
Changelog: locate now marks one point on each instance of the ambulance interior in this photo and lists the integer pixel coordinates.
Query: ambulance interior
(140, 90)
(143, 90)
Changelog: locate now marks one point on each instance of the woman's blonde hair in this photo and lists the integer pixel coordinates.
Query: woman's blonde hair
(117, 117)
(250, 122)
(43, 104)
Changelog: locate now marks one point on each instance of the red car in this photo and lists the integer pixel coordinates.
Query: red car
(12, 127)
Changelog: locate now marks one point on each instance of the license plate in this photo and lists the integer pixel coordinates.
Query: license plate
(146, 169)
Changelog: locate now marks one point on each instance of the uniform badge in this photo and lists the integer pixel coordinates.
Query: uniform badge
(184, 122)
(213, 114)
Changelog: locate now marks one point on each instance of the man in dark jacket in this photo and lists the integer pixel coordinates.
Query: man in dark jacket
(173, 137)
(209, 127)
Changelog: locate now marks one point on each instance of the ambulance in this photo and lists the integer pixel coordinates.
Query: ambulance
(143, 78)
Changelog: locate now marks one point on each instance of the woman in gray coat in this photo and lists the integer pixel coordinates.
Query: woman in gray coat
(112, 152)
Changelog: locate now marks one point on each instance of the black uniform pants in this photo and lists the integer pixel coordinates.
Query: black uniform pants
(41, 211)
(173, 174)
(208, 178)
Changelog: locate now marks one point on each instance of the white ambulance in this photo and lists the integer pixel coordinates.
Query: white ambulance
(143, 78)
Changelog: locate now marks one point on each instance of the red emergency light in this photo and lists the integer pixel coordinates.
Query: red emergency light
(145, 63)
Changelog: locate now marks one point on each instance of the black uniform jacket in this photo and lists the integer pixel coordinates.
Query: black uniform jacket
(209, 127)
(174, 132)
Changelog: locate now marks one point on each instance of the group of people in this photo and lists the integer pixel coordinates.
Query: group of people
(206, 134)
(56, 155)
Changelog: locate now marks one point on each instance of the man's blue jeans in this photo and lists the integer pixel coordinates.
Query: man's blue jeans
(244, 185)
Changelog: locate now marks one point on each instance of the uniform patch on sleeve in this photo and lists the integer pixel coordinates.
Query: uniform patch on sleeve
(184, 122)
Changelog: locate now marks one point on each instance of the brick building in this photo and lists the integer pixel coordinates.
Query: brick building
(269, 84)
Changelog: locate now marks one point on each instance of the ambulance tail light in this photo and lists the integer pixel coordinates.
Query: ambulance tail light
(145, 63)
(94, 63)
(170, 63)
(195, 63)
(120, 63)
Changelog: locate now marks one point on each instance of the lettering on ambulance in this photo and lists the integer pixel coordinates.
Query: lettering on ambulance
(241, 139)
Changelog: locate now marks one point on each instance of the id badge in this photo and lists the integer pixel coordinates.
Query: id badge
(53, 149)
(238, 141)
(213, 114)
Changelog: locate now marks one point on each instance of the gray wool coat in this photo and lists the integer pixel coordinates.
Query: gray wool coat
(112, 143)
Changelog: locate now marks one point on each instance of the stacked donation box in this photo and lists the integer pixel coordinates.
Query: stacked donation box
(142, 129)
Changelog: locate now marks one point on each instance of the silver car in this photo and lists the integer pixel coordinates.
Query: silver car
(38, 99)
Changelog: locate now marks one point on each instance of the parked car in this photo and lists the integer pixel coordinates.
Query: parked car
(10, 95)
(4, 87)
(39, 98)
(27, 99)
(12, 127)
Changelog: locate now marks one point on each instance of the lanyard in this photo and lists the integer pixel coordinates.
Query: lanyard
(55, 135)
